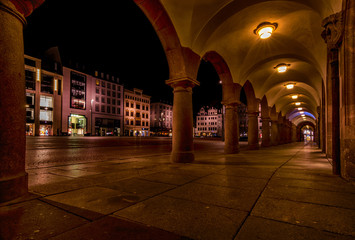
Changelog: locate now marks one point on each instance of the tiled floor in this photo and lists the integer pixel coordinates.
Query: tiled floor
(283, 192)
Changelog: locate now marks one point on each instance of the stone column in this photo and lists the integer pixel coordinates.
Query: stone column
(13, 178)
(348, 91)
(266, 141)
(333, 36)
(294, 133)
(253, 141)
(182, 149)
(231, 125)
(274, 132)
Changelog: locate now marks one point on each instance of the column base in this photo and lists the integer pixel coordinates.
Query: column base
(13, 188)
(182, 157)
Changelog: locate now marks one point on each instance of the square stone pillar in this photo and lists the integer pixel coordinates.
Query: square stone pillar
(231, 126)
(253, 140)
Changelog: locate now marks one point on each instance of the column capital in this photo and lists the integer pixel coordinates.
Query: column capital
(184, 82)
(334, 29)
(7, 6)
(26, 7)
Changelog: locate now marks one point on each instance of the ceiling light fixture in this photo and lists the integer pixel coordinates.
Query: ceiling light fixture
(303, 115)
(290, 85)
(265, 29)
(298, 103)
(299, 109)
(294, 96)
(282, 67)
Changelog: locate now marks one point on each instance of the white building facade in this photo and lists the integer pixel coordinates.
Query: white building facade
(209, 122)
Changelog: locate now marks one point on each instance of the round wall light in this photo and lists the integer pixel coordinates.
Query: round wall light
(265, 29)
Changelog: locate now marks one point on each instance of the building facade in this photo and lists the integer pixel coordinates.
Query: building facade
(209, 122)
(43, 98)
(76, 104)
(161, 119)
(136, 113)
(106, 105)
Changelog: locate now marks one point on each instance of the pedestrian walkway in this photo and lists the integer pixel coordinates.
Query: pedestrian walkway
(283, 192)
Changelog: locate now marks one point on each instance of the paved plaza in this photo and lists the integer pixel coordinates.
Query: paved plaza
(127, 188)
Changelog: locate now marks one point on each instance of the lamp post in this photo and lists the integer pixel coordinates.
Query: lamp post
(92, 101)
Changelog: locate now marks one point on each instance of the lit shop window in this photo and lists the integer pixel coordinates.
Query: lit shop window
(78, 91)
(46, 101)
(46, 115)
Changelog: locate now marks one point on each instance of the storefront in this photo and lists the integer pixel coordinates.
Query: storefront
(30, 129)
(45, 130)
(77, 125)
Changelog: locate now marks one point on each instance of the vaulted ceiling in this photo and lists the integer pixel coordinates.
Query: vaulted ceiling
(227, 27)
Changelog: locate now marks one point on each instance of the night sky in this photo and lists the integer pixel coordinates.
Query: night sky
(117, 39)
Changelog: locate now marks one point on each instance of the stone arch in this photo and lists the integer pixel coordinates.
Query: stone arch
(265, 111)
(231, 90)
(251, 99)
(182, 61)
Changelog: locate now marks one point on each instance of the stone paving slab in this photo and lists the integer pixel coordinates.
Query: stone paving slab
(234, 181)
(35, 220)
(239, 199)
(186, 218)
(343, 200)
(336, 185)
(326, 218)
(109, 228)
(96, 199)
(175, 179)
(264, 229)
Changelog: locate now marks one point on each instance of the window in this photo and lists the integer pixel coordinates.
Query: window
(127, 104)
(108, 109)
(30, 80)
(47, 84)
(131, 114)
(113, 94)
(97, 107)
(45, 115)
(103, 109)
(46, 101)
(138, 106)
(30, 99)
(103, 84)
(108, 100)
(108, 85)
(132, 105)
(97, 99)
(113, 110)
(113, 87)
(78, 90)
(97, 82)
(97, 90)
(118, 110)
(109, 93)
(103, 91)
(113, 101)
(127, 113)
(103, 99)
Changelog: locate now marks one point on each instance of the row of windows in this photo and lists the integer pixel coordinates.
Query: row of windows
(207, 129)
(137, 99)
(107, 109)
(137, 123)
(109, 93)
(138, 115)
(209, 118)
(109, 85)
(204, 123)
(108, 100)
(138, 106)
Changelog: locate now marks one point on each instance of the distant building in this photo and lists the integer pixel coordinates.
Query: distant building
(76, 105)
(243, 120)
(107, 105)
(136, 113)
(161, 119)
(43, 98)
(209, 122)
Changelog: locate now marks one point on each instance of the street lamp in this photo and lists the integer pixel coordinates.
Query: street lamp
(92, 101)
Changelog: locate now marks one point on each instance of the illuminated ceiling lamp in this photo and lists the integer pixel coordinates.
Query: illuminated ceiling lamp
(297, 103)
(265, 29)
(290, 85)
(294, 96)
(282, 67)
(299, 109)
